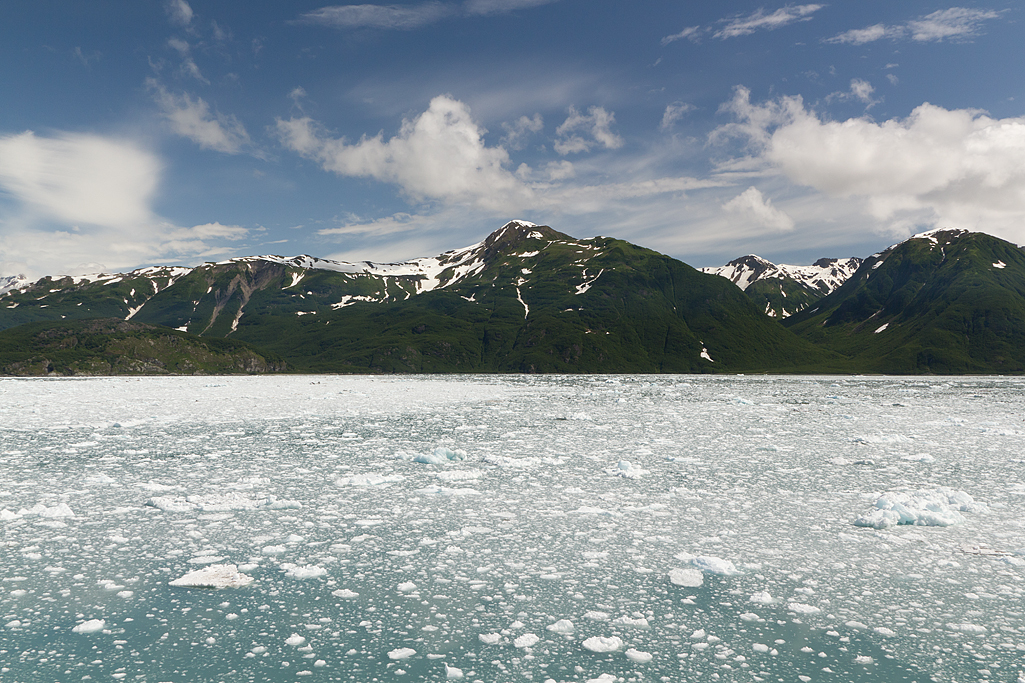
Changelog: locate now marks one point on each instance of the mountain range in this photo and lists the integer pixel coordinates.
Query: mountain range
(530, 299)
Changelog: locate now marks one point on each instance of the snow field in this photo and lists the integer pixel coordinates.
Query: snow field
(735, 554)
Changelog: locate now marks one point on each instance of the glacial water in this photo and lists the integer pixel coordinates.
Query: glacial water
(643, 528)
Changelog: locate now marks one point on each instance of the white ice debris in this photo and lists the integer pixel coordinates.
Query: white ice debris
(369, 480)
(802, 608)
(453, 672)
(345, 594)
(940, 507)
(761, 598)
(440, 456)
(631, 622)
(401, 653)
(489, 638)
(39, 510)
(214, 576)
(601, 644)
(91, 626)
(563, 626)
(220, 502)
(526, 640)
(638, 657)
(295, 640)
(309, 571)
(690, 578)
(627, 470)
(714, 565)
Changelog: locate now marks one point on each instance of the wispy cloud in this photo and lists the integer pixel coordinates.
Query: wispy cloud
(673, 113)
(193, 119)
(743, 25)
(580, 132)
(179, 11)
(860, 91)
(408, 17)
(955, 24)
(517, 132)
(188, 66)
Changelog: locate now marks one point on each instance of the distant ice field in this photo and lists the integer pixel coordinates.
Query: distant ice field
(512, 528)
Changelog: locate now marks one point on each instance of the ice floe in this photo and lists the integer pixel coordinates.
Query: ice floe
(939, 507)
(214, 576)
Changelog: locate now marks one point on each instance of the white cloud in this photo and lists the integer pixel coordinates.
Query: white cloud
(179, 12)
(75, 203)
(193, 119)
(439, 155)
(955, 23)
(399, 17)
(501, 6)
(673, 113)
(760, 20)
(691, 33)
(753, 206)
(595, 125)
(189, 66)
(519, 130)
(408, 17)
(936, 167)
(79, 178)
(861, 91)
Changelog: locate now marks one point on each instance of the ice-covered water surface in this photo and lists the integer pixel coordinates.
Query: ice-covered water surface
(512, 528)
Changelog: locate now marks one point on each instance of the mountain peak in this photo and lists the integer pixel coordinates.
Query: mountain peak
(515, 232)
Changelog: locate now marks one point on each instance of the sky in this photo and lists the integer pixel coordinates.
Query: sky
(144, 132)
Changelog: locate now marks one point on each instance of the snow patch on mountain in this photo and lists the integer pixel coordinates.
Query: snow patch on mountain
(823, 276)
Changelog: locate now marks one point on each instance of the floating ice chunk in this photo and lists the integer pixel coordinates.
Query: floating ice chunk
(589, 510)
(801, 608)
(526, 640)
(345, 594)
(863, 659)
(761, 598)
(447, 491)
(715, 565)
(883, 631)
(401, 653)
(440, 456)
(627, 470)
(205, 559)
(603, 678)
(489, 638)
(319, 664)
(690, 578)
(406, 587)
(310, 571)
(601, 644)
(630, 622)
(760, 647)
(940, 507)
(453, 672)
(13, 624)
(381, 480)
(274, 549)
(459, 475)
(638, 657)
(219, 502)
(295, 640)
(214, 576)
(918, 457)
(100, 479)
(563, 626)
(595, 615)
(91, 626)
(53, 512)
(967, 628)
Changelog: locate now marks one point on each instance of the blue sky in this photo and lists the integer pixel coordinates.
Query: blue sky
(180, 131)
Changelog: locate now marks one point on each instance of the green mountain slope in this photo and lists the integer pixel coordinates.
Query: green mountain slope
(947, 302)
(526, 299)
(105, 346)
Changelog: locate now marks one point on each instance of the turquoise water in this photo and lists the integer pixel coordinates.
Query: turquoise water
(541, 499)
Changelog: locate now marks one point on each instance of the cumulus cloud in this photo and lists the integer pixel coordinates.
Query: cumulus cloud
(580, 132)
(440, 155)
(408, 17)
(955, 23)
(193, 119)
(936, 167)
(753, 206)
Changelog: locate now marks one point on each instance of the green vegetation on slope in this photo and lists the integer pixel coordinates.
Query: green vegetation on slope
(107, 346)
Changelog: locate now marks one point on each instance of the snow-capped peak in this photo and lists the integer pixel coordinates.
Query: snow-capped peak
(823, 276)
